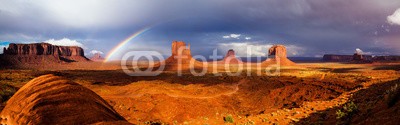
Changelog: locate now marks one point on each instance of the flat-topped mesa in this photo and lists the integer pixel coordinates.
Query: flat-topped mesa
(337, 58)
(40, 54)
(230, 58)
(277, 55)
(43, 49)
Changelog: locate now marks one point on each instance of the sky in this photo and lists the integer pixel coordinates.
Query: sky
(308, 28)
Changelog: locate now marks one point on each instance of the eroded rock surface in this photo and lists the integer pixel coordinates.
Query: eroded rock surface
(53, 100)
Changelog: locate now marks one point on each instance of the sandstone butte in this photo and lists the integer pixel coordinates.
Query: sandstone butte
(180, 53)
(97, 57)
(41, 53)
(50, 99)
(277, 55)
(230, 58)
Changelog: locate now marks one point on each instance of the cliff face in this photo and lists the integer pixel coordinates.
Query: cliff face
(179, 48)
(43, 49)
(40, 54)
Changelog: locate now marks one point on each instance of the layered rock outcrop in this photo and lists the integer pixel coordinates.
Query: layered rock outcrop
(230, 58)
(41, 53)
(43, 49)
(53, 100)
(277, 55)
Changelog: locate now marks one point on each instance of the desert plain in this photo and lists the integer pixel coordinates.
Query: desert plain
(307, 93)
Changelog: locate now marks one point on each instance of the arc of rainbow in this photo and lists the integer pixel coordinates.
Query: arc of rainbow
(123, 42)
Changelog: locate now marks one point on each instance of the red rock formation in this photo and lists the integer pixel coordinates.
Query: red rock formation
(386, 58)
(277, 55)
(43, 49)
(53, 100)
(179, 48)
(40, 53)
(337, 58)
(181, 55)
(277, 51)
(230, 58)
(97, 57)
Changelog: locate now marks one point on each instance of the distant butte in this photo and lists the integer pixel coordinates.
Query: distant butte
(180, 53)
(230, 58)
(97, 57)
(277, 55)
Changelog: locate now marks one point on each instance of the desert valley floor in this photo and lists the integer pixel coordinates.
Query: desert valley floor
(308, 93)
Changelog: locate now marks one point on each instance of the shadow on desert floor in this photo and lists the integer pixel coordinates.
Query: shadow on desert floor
(370, 106)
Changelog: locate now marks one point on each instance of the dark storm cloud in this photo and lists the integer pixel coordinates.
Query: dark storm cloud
(317, 26)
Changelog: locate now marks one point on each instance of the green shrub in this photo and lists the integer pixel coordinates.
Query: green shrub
(347, 111)
(228, 119)
(340, 114)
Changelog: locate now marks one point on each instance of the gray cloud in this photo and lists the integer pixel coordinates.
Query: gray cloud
(318, 26)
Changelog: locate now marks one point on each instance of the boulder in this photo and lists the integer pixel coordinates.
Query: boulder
(54, 100)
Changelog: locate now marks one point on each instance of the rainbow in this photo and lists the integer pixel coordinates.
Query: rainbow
(123, 42)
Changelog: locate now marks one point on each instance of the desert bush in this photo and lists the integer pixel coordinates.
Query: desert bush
(340, 114)
(228, 119)
(347, 111)
(393, 95)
